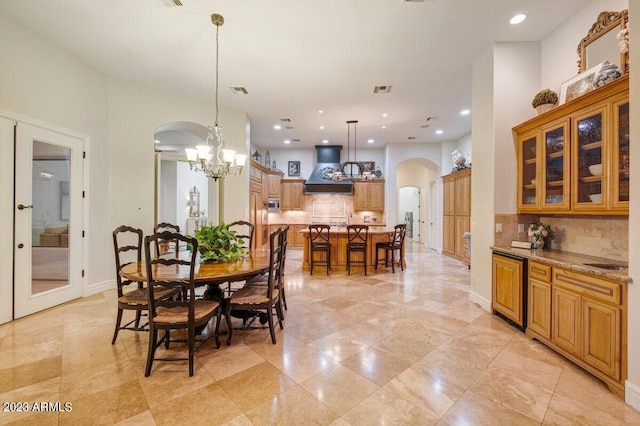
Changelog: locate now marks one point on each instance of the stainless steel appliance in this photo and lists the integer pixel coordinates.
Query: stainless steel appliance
(273, 205)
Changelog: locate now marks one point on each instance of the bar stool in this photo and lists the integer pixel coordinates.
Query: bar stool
(357, 238)
(395, 245)
(319, 242)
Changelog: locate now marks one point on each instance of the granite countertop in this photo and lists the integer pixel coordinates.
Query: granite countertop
(572, 261)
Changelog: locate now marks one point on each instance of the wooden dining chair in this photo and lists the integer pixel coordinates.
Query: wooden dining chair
(171, 314)
(319, 242)
(396, 245)
(132, 295)
(254, 298)
(245, 231)
(164, 247)
(357, 239)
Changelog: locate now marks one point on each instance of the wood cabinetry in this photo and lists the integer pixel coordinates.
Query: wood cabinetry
(507, 285)
(292, 194)
(368, 195)
(273, 185)
(261, 181)
(582, 317)
(456, 213)
(575, 158)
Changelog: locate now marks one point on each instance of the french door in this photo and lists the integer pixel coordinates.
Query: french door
(48, 209)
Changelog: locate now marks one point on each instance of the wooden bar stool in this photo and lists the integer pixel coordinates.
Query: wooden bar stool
(395, 245)
(319, 242)
(357, 238)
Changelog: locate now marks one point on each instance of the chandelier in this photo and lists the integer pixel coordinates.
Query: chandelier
(212, 159)
(350, 170)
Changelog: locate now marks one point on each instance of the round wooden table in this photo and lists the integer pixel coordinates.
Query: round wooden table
(255, 263)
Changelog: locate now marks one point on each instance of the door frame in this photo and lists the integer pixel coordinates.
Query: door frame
(7, 206)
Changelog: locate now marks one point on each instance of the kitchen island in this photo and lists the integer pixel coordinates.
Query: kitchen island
(338, 241)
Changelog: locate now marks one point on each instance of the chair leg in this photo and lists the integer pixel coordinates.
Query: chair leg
(227, 314)
(365, 261)
(153, 339)
(271, 326)
(284, 297)
(348, 262)
(218, 319)
(167, 339)
(328, 260)
(138, 315)
(280, 314)
(191, 343)
(118, 321)
(377, 250)
(393, 261)
(311, 261)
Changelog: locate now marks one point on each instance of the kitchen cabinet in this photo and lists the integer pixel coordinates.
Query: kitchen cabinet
(292, 194)
(368, 195)
(507, 282)
(456, 214)
(575, 158)
(273, 185)
(581, 316)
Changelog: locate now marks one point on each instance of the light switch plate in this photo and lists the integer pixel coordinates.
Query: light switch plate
(521, 228)
(498, 227)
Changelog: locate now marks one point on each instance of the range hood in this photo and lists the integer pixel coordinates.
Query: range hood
(328, 161)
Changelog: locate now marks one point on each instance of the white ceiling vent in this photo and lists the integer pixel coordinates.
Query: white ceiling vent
(382, 89)
(239, 90)
(285, 120)
(416, 1)
(288, 127)
(171, 3)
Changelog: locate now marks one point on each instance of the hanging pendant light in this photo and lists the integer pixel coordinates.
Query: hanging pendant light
(351, 169)
(212, 159)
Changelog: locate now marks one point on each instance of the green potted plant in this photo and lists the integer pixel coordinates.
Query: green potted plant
(217, 243)
(544, 100)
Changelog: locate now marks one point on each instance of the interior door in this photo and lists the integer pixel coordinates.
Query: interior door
(48, 219)
(417, 214)
(6, 219)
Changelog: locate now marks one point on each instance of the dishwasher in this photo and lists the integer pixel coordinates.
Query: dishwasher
(509, 288)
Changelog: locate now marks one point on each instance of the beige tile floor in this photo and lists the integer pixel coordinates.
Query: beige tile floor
(403, 348)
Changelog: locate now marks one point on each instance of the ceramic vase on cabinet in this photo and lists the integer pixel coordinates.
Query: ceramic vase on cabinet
(537, 243)
(607, 74)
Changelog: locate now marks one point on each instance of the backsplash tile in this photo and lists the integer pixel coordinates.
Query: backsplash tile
(601, 236)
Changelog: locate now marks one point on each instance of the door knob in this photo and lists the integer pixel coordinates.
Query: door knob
(22, 207)
(20, 245)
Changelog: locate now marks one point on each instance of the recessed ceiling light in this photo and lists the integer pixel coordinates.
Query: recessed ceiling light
(370, 141)
(439, 132)
(384, 127)
(277, 127)
(157, 141)
(321, 127)
(320, 111)
(465, 112)
(385, 114)
(517, 19)
(325, 141)
(287, 141)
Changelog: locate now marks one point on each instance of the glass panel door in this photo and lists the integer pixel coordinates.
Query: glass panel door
(620, 168)
(555, 172)
(528, 173)
(590, 161)
(48, 211)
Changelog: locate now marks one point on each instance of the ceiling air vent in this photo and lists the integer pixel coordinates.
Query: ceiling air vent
(285, 120)
(171, 3)
(382, 89)
(425, 126)
(295, 140)
(430, 118)
(239, 90)
(412, 138)
(288, 127)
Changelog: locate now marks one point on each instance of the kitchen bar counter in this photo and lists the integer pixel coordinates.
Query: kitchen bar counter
(338, 241)
(573, 261)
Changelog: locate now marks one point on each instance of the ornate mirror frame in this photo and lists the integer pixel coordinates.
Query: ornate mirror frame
(607, 21)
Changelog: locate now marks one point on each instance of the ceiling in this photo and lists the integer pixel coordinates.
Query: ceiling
(297, 57)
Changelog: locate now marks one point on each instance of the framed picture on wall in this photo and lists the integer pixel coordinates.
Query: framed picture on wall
(578, 85)
(367, 166)
(294, 168)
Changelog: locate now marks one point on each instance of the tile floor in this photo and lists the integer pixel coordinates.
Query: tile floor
(403, 348)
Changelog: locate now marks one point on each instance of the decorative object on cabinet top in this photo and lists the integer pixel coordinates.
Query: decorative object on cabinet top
(607, 40)
(459, 161)
(607, 74)
(579, 85)
(544, 100)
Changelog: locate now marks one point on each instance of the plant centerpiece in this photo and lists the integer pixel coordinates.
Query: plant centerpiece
(544, 100)
(216, 243)
(537, 233)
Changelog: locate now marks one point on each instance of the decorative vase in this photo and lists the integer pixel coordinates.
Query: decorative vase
(607, 74)
(537, 243)
(544, 108)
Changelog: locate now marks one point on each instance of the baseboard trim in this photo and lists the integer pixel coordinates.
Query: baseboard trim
(632, 394)
(100, 287)
(480, 301)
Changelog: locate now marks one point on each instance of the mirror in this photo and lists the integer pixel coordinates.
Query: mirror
(601, 44)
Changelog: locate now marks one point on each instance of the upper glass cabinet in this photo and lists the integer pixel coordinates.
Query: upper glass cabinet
(590, 159)
(555, 166)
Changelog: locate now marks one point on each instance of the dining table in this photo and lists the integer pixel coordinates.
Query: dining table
(255, 262)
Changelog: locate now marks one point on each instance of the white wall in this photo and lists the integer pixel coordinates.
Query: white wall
(186, 179)
(46, 84)
(167, 203)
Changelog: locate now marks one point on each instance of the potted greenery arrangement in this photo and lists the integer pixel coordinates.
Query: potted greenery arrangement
(216, 243)
(537, 234)
(544, 100)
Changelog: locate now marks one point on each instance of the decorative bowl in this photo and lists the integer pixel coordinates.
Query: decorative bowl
(595, 198)
(595, 169)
